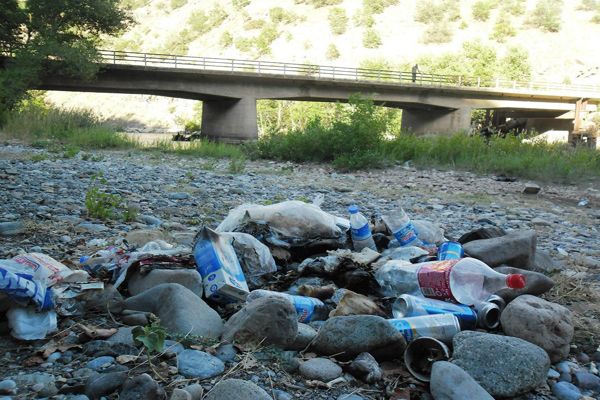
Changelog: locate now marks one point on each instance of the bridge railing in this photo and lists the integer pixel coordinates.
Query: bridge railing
(330, 72)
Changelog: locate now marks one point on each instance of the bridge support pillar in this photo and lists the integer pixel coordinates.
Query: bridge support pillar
(230, 120)
(421, 122)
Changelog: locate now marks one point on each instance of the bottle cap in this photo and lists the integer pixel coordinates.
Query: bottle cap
(515, 281)
(353, 209)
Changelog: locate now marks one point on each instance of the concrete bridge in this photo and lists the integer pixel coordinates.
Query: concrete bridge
(229, 90)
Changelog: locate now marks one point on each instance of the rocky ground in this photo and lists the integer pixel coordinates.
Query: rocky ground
(42, 209)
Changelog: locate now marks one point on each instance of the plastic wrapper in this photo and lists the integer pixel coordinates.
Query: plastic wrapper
(22, 288)
(393, 281)
(255, 258)
(45, 269)
(27, 324)
(288, 224)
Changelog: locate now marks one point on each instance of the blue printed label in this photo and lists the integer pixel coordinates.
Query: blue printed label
(361, 233)
(305, 307)
(206, 258)
(406, 235)
(404, 328)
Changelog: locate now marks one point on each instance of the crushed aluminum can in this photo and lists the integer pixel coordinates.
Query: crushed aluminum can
(412, 306)
(421, 353)
(440, 326)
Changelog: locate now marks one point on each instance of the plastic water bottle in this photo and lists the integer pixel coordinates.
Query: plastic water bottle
(402, 228)
(466, 280)
(307, 308)
(360, 230)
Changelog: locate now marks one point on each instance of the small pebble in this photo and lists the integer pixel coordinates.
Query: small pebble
(7, 386)
(566, 391)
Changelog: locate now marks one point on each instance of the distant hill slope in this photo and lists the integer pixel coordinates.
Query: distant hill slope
(561, 37)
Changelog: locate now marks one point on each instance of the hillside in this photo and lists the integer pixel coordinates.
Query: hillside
(560, 38)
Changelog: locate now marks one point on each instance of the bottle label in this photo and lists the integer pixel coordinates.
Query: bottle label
(361, 233)
(406, 235)
(434, 280)
(305, 307)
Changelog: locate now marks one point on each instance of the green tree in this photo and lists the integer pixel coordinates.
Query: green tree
(371, 39)
(515, 65)
(67, 31)
(502, 29)
(332, 52)
(226, 39)
(547, 15)
(338, 20)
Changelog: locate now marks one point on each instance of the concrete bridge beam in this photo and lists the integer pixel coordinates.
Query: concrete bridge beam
(421, 122)
(230, 120)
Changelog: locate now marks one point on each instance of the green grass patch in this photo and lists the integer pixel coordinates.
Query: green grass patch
(196, 148)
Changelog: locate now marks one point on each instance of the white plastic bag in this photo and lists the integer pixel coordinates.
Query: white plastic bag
(295, 222)
(27, 324)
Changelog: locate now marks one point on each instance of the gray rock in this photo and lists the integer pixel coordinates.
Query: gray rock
(586, 380)
(226, 352)
(123, 336)
(348, 336)
(7, 386)
(237, 389)
(142, 387)
(306, 334)
(180, 394)
(99, 385)
(100, 363)
(198, 364)
(45, 383)
(135, 319)
(536, 283)
(322, 369)
(180, 310)
(196, 390)
(11, 228)
(366, 368)
(541, 322)
(450, 382)
(281, 395)
(172, 346)
(516, 249)
(566, 391)
(531, 188)
(504, 366)
(179, 195)
(268, 320)
(150, 220)
(547, 264)
(90, 227)
(98, 348)
(190, 278)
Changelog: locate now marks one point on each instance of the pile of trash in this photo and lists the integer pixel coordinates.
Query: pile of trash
(349, 294)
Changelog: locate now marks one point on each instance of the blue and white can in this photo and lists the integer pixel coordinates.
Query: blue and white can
(450, 251)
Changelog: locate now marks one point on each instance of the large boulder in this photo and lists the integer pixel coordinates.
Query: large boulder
(541, 322)
(504, 366)
(237, 389)
(516, 249)
(267, 321)
(190, 278)
(142, 387)
(348, 336)
(180, 311)
(536, 283)
(450, 382)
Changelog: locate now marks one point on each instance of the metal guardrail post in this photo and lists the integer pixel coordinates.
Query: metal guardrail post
(333, 73)
(231, 65)
(144, 59)
(459, 80)
(259, 66)
(175, 58)
(284, 71)
(478, 82)
(114, 53)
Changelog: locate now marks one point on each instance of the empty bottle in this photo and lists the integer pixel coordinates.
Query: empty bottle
(307, 308)
(467, 280)
(402, 228)
(360, 230)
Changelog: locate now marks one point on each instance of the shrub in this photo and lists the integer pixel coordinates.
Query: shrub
(243, 44)
(203, 23)
(178, 42)
(177, 4)
(332, 52)
(264, 39)
(502, 29)
(279, 15)
(588, 5)
(514, 7)
(430, 11)
(440, 32)
(547, 15)
(239, 4)
(226, 39)
(324, 3)
(481, 10)
(377, 6)
(134, 4)
(371, 39)
(338, 20)
(254, 24)
(363, 18)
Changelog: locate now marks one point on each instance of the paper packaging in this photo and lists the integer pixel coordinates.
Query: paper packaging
(222, 275)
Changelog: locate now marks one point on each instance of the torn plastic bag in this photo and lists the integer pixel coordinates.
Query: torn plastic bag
(255, 258)
(218, 264)
(19, 285)
(46, 269)
(392, 279)
(291, 224)
(27, 324)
